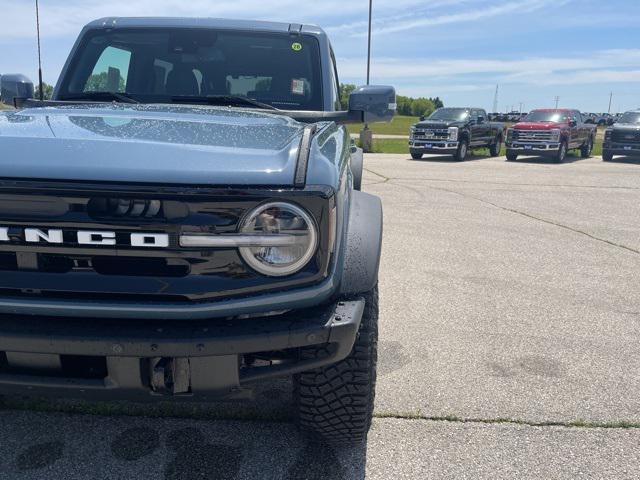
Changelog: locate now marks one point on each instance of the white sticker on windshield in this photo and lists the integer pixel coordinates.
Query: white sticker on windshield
(297, 86)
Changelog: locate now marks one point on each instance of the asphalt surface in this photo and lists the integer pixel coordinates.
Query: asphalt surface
(510, 318)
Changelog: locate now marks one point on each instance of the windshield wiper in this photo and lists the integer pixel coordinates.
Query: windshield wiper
(229, 100)
(102, 96)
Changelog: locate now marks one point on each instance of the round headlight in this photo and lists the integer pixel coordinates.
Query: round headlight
(292, 239)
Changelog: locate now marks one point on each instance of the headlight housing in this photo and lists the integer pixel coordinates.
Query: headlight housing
(453, 134)
(555, 133)
(294, 234)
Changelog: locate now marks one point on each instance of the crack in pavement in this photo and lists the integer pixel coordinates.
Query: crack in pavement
(620, 425)
(479, 182)
(539, 219)
(514, 211)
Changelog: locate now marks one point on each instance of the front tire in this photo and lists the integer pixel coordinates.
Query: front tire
(335, 403)
(587, 148)
(607, 156)
(561, 155)
(494, 149)
(511, 156)
(416, 155)
(463, 150)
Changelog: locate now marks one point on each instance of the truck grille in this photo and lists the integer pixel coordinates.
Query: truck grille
(123, 270)
(431, 134)
(534, 136)
(621, 136)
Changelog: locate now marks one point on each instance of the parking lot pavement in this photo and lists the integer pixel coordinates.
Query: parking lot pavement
(509, 293)
(510, 289)
(59, 446)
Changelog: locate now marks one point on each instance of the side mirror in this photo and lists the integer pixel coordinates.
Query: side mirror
(376, 103)
(422, 118)
(573, 123)
(14, 86)
(481, 119)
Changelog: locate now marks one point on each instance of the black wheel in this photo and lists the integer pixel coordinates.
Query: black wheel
(335, 403)
(562, 153)
(511, 156)
(416, 155)
(607, 156)
(463, 150)
(494, 149)
(587, 148)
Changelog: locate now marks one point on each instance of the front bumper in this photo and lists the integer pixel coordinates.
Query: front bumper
(539, 148)
(146, 360)
(436, 146)
(621, 148)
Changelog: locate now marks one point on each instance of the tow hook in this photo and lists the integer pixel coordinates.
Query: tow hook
(170, 376)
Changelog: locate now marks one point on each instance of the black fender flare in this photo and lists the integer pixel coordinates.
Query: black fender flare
(363, 246)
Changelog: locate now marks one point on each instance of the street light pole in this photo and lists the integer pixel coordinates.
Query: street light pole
(366, 137)
(39, 54)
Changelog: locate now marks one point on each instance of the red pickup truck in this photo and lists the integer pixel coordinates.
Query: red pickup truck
(551, 132)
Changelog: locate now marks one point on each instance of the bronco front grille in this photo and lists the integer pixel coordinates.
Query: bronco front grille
(123, 270)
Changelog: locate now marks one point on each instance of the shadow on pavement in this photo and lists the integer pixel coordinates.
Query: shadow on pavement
(221, 440)
(627, 160)
(542, 160)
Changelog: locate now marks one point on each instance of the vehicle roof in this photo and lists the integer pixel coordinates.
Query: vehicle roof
(217, 23)
(553, 110)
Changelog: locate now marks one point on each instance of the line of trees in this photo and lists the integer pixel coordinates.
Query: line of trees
(415, 107)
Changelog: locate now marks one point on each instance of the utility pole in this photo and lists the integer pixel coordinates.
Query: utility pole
(495, 99)
(610, 100)
(521, 105)
(366, 136)
(39, 53)
(557, 101)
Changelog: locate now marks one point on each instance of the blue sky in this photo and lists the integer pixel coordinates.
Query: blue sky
(580, 50)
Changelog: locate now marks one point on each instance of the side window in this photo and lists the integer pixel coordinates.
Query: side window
(110, 72)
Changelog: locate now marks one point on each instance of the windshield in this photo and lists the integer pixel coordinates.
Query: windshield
(557, 117)
(450, 114)
(630, 117)
(152, 65)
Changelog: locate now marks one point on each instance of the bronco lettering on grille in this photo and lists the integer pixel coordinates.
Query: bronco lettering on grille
(83, 237)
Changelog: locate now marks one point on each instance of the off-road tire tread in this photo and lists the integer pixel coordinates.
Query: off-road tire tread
(334, 404)
(495, 147)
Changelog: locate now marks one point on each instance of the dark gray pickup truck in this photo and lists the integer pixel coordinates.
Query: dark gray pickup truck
(455, 131)
(184, 218)
(623, 138)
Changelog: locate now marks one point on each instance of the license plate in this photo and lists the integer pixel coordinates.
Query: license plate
(627, 148)
(528, 147)
(428, 145)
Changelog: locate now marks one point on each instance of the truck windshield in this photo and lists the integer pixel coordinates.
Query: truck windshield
(630, 117)
(451, 114)
(154, 65)
(556, 117)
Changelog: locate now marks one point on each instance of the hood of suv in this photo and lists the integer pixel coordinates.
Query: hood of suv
(152, 143)
(538, 125)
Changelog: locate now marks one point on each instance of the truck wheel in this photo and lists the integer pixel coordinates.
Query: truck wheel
(416, 155)
(495, 147)
(587, 148)
(607, 156)
(463, 149)
(335, 403)
(511, 156)
(562, 153)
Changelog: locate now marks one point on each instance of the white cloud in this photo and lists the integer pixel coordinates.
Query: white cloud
(421, 19)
